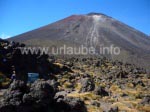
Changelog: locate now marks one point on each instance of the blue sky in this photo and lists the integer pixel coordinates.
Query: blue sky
(19, 16)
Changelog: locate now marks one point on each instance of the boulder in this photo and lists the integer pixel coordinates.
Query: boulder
(38, 98)
(114, 109)
(69, 104)
(146, 100)
(87, 84)
(101, 91)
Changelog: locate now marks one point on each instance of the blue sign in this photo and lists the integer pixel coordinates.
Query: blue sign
(32, 77)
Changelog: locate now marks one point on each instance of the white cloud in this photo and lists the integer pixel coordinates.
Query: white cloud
(4, 36)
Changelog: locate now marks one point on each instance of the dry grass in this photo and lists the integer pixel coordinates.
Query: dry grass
(3, 80)
(123, 107)
(59, 64)
(130, 85)
(132, 92)
(115, 89)
(78, 87)
(91, 108)
(144, 108)
(67, 85)
(84, 96)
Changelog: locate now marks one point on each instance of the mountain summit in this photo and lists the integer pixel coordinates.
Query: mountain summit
(93, 29)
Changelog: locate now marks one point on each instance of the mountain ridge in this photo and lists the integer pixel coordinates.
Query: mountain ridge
(91, 13)
(93, 29)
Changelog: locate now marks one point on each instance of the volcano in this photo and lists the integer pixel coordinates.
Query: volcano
(93, 29)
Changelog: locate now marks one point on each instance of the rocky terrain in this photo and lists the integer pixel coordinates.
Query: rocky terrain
(11, 59)
(71, 84)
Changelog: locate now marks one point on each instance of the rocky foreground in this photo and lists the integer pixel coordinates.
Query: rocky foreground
(73, 84)
(89, 87)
